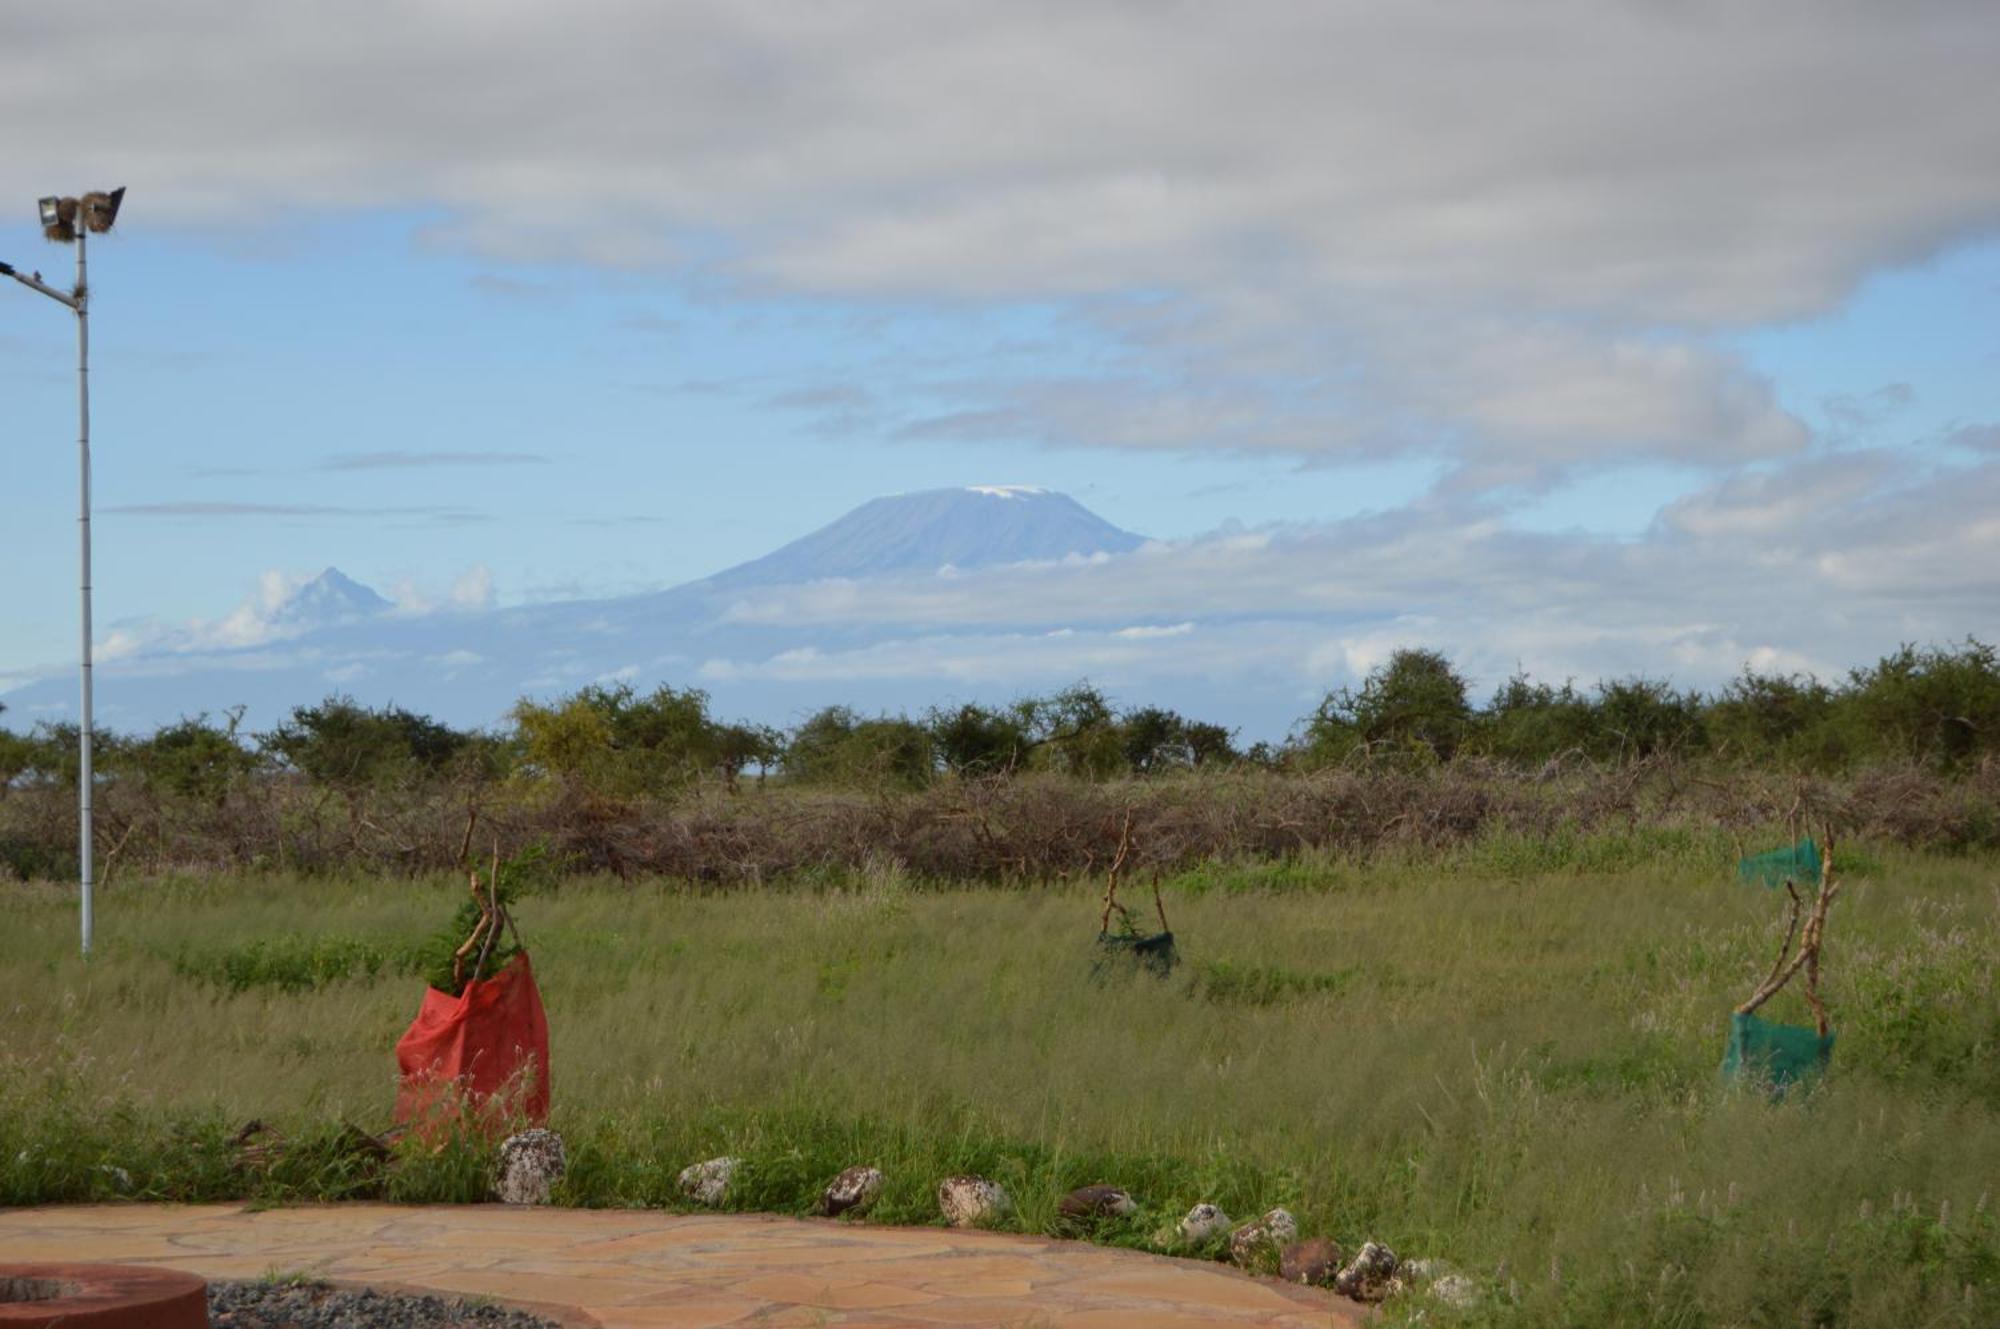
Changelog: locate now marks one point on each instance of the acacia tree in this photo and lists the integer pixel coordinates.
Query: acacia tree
(976, 740)
(1414, 701)
(615, 741)
(192, 758)
(1940, 704)
(836, 746)
(345, 745)
(1074, 732)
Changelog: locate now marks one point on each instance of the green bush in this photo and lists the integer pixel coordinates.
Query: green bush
(191, 759)
(293, 962)
(1530, 723)
(976, 740)
(1416, 702)
(615, 741)
(344, 745)
(836, 746)
(1938, 705)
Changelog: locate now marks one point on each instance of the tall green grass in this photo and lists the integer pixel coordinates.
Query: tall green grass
(1505, 1058)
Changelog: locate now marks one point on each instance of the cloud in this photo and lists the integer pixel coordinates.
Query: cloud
(222, 508)
(272, 613)
(1509, 236)
(473, 590)
(396, 460)
(513, 288)
(830, 396)
(1859, 416)
(1980, 438)
(1817, 564)
(216, 508)
(1001, 661)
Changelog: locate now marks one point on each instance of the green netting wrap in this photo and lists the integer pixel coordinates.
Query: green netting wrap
(1799, 863)
(1119, 950)
(1779, 1055)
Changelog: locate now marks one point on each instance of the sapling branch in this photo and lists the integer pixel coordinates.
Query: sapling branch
(1111, 879)
(1788, 963)
(465, 844)
(491, 911)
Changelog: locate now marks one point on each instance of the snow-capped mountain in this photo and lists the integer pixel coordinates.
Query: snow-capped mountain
(977, 526)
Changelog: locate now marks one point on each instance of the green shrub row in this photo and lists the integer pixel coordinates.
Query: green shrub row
(1937, 706)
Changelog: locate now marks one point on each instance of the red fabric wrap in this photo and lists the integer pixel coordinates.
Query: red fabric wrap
(487, 1049)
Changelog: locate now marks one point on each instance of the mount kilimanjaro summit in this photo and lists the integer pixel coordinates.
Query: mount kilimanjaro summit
(885, 608)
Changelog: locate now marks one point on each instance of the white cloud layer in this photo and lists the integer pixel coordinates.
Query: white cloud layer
(1503, 234)
(274, 612)
(1815, 566)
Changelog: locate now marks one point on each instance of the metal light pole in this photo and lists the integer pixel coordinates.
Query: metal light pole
(71, 220)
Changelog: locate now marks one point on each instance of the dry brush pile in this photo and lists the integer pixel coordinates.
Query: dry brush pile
(1021, 828)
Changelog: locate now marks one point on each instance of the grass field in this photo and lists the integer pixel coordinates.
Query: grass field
(1504, 1057)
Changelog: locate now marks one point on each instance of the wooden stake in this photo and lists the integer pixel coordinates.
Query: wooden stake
(1111, 879)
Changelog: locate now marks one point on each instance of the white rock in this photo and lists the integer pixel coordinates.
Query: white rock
(973, 1201)
(1455, 1290)
(1202, 1222)
(1100, 1201)
(531, 1162)
(708, 1183)
(852, 1191)
(1368, 1275)
(1263, 1236)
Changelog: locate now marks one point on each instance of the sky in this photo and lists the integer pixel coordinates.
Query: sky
(1584, 337)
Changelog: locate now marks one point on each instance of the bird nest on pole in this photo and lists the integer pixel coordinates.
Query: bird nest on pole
(1153, 952)
(1782, 1054)
(100, 209)
(62, 230)
(94, 212)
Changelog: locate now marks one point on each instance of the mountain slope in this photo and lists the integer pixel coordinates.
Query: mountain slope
(331, 597)
(972, 527)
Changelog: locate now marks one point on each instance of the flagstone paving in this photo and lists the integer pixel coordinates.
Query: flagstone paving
(648, 1270)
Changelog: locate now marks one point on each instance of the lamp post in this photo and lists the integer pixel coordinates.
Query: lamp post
(71, 221)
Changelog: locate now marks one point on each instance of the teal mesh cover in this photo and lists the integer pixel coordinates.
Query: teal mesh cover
(1156, 954)
(1780, 1055)
(1799, 862)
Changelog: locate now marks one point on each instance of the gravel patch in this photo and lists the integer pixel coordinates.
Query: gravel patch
(306, 1305)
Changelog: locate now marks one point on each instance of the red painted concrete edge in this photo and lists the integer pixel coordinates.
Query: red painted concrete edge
(108, 1296)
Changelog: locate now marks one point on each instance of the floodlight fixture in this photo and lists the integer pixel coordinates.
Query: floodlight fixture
(51, 211)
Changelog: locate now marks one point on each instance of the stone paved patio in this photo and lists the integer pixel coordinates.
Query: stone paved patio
(650, 1270)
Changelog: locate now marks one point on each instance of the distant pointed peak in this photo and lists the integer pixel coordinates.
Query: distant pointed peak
(330, 596)
(332, 576)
